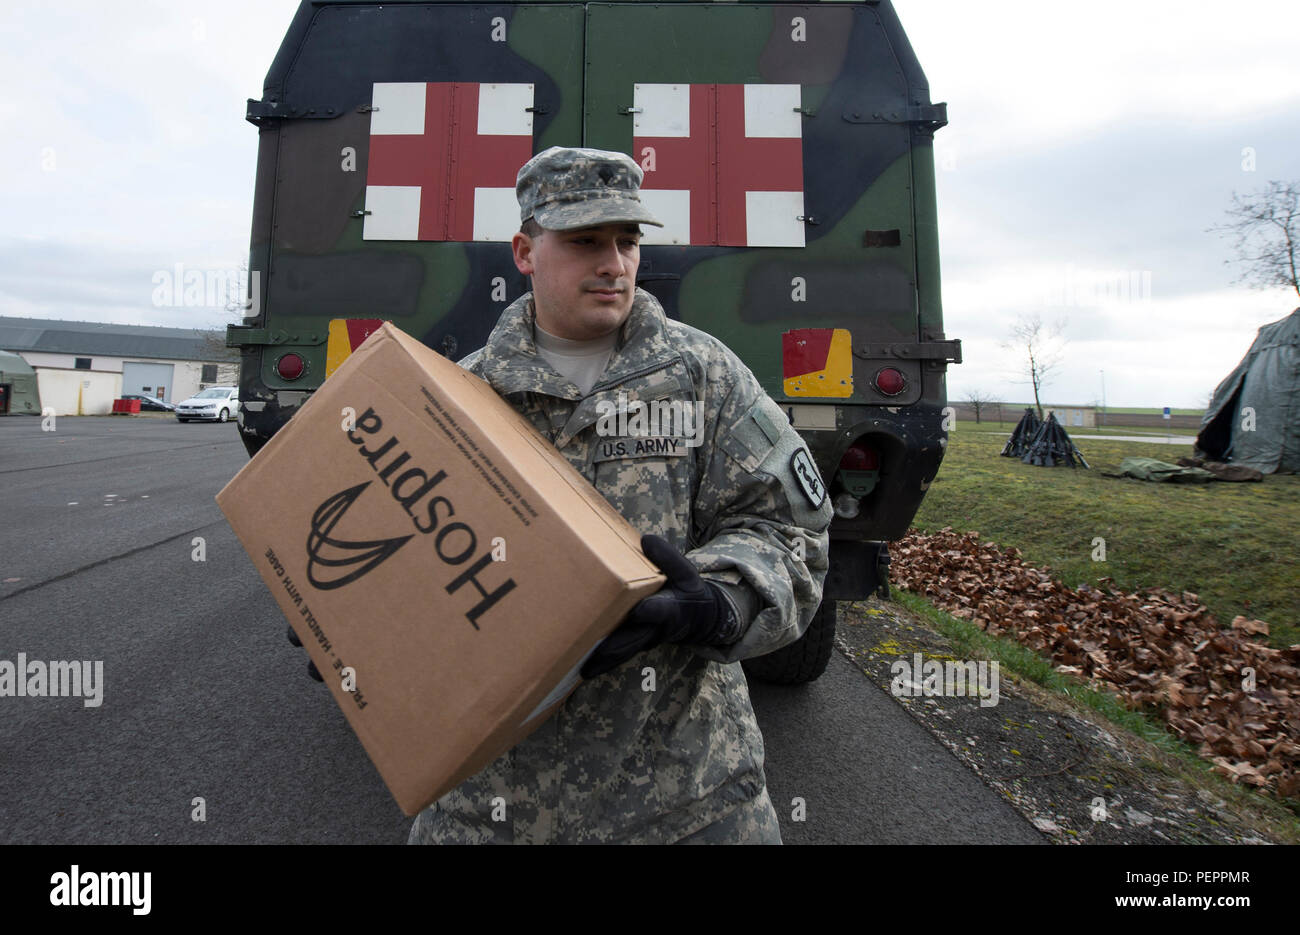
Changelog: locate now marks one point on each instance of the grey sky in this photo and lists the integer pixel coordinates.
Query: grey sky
(1087, 146)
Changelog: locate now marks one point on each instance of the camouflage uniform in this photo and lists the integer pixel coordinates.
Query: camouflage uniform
(621, 760)
(616, 762)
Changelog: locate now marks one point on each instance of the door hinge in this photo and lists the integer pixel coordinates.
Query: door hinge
(929, 116)
(948, 351)
(261, 113)
(242, 335)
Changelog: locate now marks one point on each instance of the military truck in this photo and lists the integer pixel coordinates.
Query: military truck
(788, 149)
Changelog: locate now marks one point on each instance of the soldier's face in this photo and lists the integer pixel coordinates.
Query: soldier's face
(583, 280)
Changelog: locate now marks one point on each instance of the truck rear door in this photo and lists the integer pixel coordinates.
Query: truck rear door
(761, 125)
(788, 148)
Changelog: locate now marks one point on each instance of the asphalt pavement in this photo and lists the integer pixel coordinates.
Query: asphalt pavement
(112, 549)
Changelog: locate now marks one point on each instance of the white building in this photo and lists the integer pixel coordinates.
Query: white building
(82, 366)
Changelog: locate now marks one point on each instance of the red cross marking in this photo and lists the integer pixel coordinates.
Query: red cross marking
(718, 164)
(448, 161)
(689, 162)
(749, 164)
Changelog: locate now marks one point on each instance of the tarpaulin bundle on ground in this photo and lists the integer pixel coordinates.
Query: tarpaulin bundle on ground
(1161, 471)
(1051, 446)
(1254, 416)
(1018, 443)
(1186, 471)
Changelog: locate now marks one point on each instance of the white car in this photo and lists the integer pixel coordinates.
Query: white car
(216, 403)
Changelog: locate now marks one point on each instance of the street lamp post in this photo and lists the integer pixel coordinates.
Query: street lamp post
(1103, 397)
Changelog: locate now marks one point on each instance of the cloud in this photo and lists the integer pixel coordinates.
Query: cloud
(1171, 352)
(78, 282)
(138, 138)
(1108, 231)
(1034, 74)
(1089, 150)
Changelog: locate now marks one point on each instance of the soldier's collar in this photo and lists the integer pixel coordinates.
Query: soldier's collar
(511, 363)
(643, 343)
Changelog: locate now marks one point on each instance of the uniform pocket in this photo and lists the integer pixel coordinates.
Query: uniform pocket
(652, 492)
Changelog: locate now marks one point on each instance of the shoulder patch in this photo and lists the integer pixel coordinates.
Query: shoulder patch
(810, 479)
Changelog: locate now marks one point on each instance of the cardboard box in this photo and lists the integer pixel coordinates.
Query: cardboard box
(439, 548)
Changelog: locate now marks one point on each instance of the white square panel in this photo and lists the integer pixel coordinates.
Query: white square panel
(665, 110)
(394, 213)
(399, 108)
(771, 219)
(503, 109)
(770, 110)
(673, 207)
(496, 214)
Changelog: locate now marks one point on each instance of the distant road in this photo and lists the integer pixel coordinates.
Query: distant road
(1154, 439)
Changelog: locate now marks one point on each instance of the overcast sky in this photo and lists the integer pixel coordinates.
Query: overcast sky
(1089, 147)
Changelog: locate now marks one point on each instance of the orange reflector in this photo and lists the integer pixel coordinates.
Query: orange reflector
(346, 335)
(817, 362)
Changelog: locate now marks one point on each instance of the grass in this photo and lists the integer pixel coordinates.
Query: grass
(1234, 545)
(1154, 411)
(970, 642)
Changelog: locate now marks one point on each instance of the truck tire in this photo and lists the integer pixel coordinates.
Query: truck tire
(803, 660)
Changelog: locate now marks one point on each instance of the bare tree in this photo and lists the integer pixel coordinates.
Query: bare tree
(1265, 229)
(1042, 347)
(214, 346)
(237, 306)
(978, 399)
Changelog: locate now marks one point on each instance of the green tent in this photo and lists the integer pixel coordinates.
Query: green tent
(1254, 416)
(18, 390)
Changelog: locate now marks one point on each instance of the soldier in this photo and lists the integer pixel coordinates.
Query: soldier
(659, 743)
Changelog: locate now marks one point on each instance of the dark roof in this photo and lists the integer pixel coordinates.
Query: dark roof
(91, 338)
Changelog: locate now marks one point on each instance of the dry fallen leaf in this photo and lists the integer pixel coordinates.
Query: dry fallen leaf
(1154, 647)
(1250, 626)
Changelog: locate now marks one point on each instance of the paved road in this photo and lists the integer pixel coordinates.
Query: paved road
(203, 696)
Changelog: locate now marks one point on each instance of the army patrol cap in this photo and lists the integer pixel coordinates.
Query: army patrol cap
(564, 189)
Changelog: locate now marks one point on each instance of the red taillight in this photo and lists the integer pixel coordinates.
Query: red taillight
(289, 367)
(890, 382)
(860, 458)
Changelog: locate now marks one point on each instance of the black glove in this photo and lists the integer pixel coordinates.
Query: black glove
(687, 609)
(311, 666)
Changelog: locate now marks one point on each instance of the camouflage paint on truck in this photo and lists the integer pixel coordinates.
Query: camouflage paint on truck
(817, 323)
